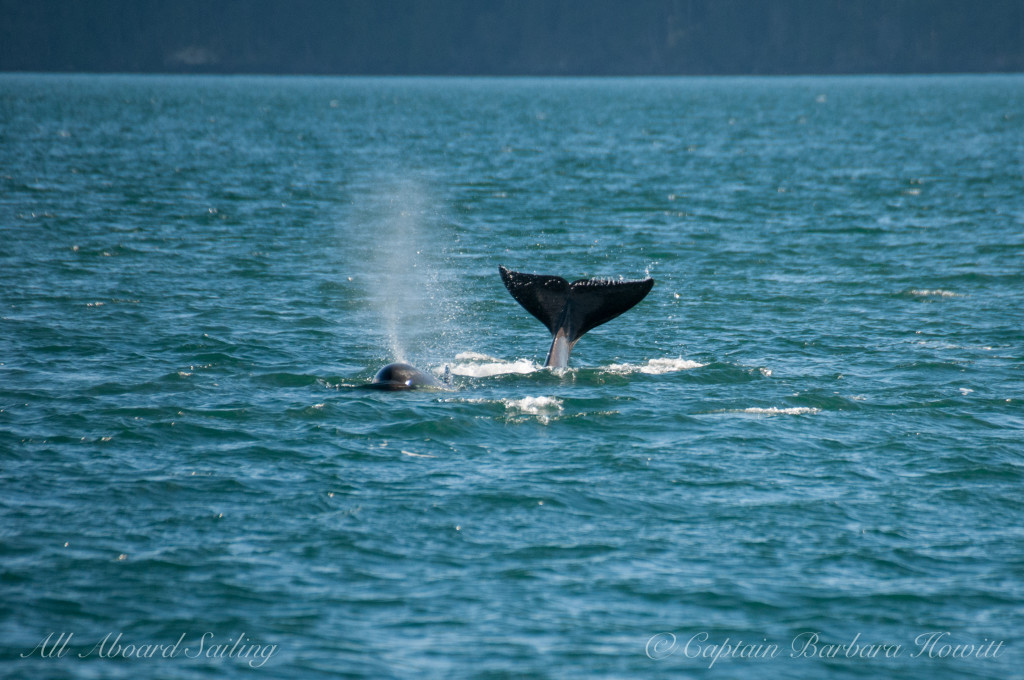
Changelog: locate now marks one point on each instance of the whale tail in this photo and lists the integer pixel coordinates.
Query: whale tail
(571, 309)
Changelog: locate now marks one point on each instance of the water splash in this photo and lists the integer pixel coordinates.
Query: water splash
(655, 367)
(540, 409)
(775, 411)
(476, 365)
(412, 288)
(533, 405)
(937, 292)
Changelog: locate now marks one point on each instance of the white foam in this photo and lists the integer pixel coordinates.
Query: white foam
(936, 292)
(474, 356)
(489, 366)
(519, 410)
(533, 405)
(463, 400)
(655, 366)
(417, 455)
(775, 411)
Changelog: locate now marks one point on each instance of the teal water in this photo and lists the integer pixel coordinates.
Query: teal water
(812, 425)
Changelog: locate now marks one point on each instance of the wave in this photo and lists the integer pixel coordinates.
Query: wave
(533, 405)
(654, 367)
(541, 409)
(775, 411)
(934, 292)
(476, 365)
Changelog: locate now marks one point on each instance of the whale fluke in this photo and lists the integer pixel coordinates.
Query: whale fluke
(571, 309)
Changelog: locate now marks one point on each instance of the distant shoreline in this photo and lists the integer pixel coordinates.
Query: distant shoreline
(523, 38)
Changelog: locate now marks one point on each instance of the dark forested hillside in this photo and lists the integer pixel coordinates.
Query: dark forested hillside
(581, 37)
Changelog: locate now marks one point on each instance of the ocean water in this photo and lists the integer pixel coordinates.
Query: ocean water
(801, 456)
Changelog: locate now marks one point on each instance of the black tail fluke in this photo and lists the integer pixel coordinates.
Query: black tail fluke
(571, 309)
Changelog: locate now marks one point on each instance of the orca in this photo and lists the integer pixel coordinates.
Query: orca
(571, 309)
(402, 376)
(567, 309)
